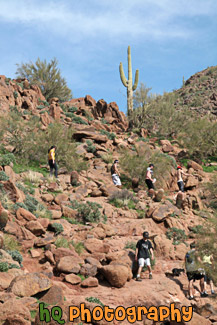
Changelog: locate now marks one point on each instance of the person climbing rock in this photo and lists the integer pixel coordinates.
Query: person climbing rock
(194, 271)
(52, 161)
(208, 264)
(115, 174)
(149, 177)
(144, 249)
(179, 177)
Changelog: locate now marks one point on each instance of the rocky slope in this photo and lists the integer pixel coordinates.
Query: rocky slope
(199, 93)
(69, 259)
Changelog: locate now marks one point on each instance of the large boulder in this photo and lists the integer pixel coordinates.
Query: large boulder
(29, 284)
(69, 264)
(94, 245)
(117, 274)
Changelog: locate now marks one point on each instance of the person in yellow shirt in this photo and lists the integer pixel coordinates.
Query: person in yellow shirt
(208, 262)
(52, 161)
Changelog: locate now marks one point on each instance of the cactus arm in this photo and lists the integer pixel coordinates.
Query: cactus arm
(129, 65)
(122, 75)
(136, 80)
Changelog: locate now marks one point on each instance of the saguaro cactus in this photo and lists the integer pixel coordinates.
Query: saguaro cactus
(129, 83)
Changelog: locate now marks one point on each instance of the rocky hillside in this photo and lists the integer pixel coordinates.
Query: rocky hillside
(68, 241)
(199, 93)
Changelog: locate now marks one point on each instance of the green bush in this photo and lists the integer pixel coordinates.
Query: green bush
(122, 199)
(61, 242)
(15, 94)
(131, 245)
(4, 267)
(89, 212)
(177, 235)
(57, 228)
(11, 243)
(90, 147)
(16, 256)
(47, 76)
(95, 300)
(6, 159)
(78, 246)
(110, 135)
(3, 176)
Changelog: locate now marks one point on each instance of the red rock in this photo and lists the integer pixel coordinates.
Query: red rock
(61, 198)
(35, 227)
(194, 165)
(116, 275)
(69, 264)
(90, 282)
(24, 215)
(94, 245)
(72, 278)
(29, 284)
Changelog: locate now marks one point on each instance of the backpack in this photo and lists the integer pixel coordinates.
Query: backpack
(191, 261)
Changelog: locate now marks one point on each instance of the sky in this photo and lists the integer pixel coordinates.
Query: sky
(169, 40)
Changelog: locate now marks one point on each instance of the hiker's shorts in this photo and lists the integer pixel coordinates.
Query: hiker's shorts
(144, 261)
(149, 184)
(181, 186)
(195, 276)
(116, 180)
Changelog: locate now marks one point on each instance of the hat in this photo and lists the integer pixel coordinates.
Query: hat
(179, 167)
(116, 160)
(145, 234)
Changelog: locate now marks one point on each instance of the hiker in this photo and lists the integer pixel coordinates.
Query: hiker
(148, 179)
(143, 250)
(179, 177)
(52, 161)
(208, 261)
(194, 271)
(115, 174)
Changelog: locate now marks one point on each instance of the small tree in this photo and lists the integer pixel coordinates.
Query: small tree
(141, 96)
(47, 76)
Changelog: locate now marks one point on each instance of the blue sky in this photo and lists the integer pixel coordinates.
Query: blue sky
(169, 39)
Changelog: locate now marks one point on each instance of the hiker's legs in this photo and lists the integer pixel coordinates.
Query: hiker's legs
(51, 167)
(191, 288)
(149, 184)
(141, 262)
(55, 169)
(202, 285)
(181, 186)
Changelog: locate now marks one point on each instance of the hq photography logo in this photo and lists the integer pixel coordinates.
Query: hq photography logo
(130, 314)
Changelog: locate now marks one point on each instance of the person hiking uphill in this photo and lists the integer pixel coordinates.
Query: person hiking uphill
(208, 264)
(143, 250)
(179, 177)
(52, 161)
(115, 174)
(148, 179)
(194, 271)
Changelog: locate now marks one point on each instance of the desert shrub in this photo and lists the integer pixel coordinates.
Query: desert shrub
(57, 228)
(196, 229)
(4, 266)
(177, 235)
(131, 245)
(110, 135)
(103, 121)
(78, 246)
(3, 176)
(107, 158)
(122, 199)
(89, 212)
(90, 146)
(15, 254)
(61, 242)
(11, 243)
(32, 177)
(31, 144)
(47, 76)
(18, 205)
(6, 159)
(95, 300)
(135, 164)
(211, 193)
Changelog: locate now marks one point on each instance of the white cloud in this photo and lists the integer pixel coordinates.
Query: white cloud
(109, 18)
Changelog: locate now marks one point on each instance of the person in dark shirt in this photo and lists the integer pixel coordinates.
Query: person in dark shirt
(144, 249)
